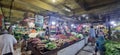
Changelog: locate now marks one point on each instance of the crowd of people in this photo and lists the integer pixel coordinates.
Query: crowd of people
(8, 41)
(97, 39)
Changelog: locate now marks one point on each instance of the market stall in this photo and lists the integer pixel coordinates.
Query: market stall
(42, 35)
(66, 49)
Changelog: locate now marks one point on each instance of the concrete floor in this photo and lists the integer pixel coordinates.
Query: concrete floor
(88, 50)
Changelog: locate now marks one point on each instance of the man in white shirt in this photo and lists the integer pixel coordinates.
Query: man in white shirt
(7, 43)
(92, 35)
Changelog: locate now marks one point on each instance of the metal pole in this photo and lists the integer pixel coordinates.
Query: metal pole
(4, 26)
(11, 9)
(109, 28)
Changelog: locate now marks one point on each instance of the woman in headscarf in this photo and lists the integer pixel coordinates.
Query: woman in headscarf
(100, 43)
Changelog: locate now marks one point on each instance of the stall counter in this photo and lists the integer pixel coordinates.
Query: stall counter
(67, 50)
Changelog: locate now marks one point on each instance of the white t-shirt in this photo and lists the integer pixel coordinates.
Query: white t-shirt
(6, 43)
(92, 32)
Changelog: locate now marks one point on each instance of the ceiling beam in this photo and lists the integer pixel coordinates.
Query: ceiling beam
(100, 4)
(16, 6)
(43, 5)
(14, 13)
(100, 10)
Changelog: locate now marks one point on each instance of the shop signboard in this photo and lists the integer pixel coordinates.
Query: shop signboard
(52, 24)
(39, 20)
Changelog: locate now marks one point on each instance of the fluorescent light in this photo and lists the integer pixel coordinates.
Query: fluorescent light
(68, 10)
(72, 25)
(112, 22)
(53, 0)
(83, 15)
(53, 23)
(87, 17)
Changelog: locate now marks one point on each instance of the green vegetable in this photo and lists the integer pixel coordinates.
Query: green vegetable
(79, 35)
(51, 46)
(17, 37)
(45, 41)
(112, 48)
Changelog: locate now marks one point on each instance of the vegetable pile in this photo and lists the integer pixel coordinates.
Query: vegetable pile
(48, 44)
(79, 36)
(112, 48)
(51, 46)
(116, 35)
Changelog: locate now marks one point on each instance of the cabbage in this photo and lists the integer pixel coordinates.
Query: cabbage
(51, 46)
(79, 36)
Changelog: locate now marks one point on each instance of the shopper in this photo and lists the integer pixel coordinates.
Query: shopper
(47, 31)
(10, 29)
(7, 43)
(100, 43)
(92, 35)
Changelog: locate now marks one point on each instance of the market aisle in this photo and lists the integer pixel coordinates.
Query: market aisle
(87, 50)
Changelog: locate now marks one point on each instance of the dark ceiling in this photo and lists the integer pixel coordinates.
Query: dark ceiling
(91, 4)
(63, 7)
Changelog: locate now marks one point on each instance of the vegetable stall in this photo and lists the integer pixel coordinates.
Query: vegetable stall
(113, 45)
(59, 46)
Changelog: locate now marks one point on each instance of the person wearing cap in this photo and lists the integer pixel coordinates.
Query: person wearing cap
(7, 43)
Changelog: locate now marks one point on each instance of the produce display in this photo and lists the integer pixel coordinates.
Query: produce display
(79, 36)
(42, 44)
(116, 28)
(49, 45)
(112, 48)
(18, 34)
(116, 35)
(61, 36)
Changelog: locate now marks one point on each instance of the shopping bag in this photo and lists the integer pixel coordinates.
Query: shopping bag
(89, 39)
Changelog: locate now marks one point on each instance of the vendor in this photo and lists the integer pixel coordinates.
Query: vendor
(47, 31)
